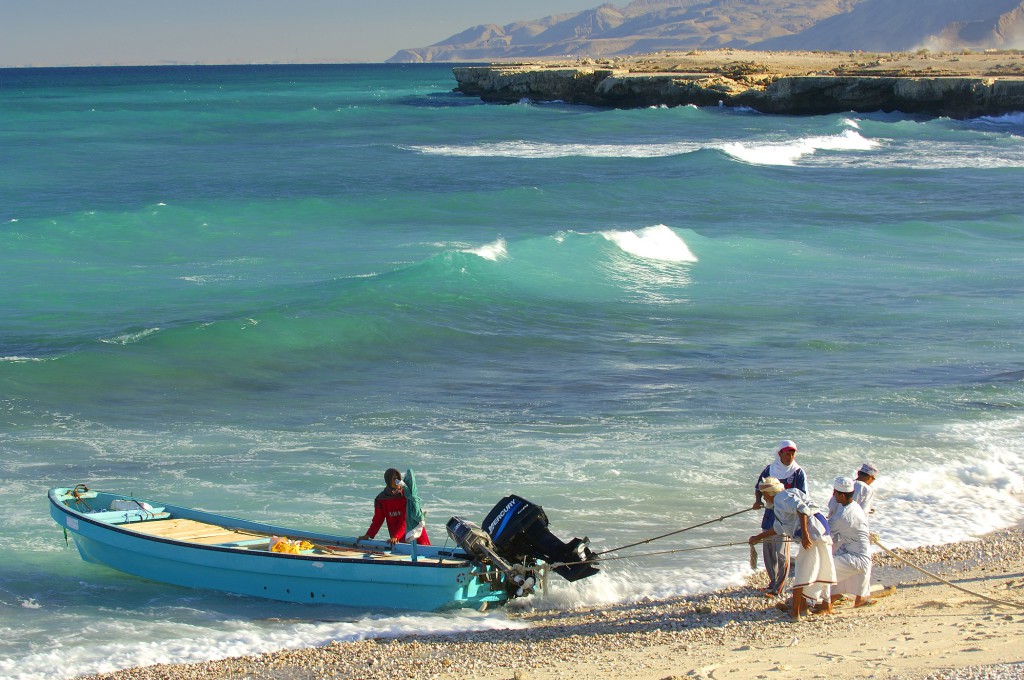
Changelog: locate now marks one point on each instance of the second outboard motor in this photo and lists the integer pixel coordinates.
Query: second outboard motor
(519, 531)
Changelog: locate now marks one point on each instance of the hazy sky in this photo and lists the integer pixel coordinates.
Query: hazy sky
(84, 32)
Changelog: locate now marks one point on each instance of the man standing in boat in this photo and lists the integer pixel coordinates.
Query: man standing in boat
(391, 504)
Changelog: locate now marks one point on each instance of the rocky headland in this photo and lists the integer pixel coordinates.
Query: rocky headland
(956, 85)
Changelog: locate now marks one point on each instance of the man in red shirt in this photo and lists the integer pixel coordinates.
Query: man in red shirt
(390, 505)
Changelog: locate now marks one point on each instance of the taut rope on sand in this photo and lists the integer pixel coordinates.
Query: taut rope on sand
(1002, 603)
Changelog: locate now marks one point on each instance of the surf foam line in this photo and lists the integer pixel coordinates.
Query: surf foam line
(524, 149)
(788, 153)
(130, 338)
(103, 648)
(785, 153)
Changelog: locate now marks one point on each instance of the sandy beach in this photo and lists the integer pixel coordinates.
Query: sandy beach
(923, 629)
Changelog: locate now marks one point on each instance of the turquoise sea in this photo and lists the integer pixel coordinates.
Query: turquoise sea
(252, 289)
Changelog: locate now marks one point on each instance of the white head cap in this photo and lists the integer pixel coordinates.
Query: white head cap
(786, 444)
(869, 469)
(844, 484)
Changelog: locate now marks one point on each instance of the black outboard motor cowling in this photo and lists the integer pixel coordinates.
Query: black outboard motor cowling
(519, 531)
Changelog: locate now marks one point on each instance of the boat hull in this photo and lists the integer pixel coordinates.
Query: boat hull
(369, 577)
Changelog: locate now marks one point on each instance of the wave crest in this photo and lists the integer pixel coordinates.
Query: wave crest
(129, 338)
(524, 149)
(653, 243)
(492, 251)
(788, 153)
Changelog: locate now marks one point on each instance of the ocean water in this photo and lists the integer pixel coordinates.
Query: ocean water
(252, 289)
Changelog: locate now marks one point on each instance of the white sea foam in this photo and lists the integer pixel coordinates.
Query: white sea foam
(788, 153)
(959, 499)
(785, 153)
(129, 338)
(634, 580)
(104, 647)
(17, 359)
(932, 154)
(653, 243)
(204, 278)
(491, 251)
(526, 149)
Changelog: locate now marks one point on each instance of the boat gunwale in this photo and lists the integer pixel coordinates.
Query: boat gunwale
(429, 562)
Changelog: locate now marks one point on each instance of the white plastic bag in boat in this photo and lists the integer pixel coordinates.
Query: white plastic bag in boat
(130, 505)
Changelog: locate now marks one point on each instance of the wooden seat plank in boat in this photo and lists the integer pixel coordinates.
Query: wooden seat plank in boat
(203, 533)
(191, 531)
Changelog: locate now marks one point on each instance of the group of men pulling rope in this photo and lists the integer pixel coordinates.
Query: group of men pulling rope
(834, 555)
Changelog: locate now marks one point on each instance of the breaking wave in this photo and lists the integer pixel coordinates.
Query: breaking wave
(788, 153)
(653, 243)
(525, 149)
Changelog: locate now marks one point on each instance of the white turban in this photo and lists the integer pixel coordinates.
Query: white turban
(771, 486)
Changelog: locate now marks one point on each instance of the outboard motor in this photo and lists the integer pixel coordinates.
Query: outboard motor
(519, 530)
(515, 534)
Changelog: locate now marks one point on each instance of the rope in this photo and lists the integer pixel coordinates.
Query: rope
(1003, 603)
(650, 554)
(673, 533)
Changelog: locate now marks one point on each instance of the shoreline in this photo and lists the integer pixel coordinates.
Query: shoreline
(922, 629)
(957, 85)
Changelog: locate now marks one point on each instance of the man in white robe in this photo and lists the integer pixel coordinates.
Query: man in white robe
(863, 494)
(797, 517)
(851, 545)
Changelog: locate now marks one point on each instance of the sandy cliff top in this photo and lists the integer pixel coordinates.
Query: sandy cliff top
(1003, 63)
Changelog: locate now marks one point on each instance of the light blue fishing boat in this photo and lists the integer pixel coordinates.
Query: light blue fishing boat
(186, 547)
(193, 548)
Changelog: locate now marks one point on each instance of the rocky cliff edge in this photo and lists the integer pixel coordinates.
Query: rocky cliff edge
(957, 86)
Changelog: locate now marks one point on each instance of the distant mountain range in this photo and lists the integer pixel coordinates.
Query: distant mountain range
(646, 26)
